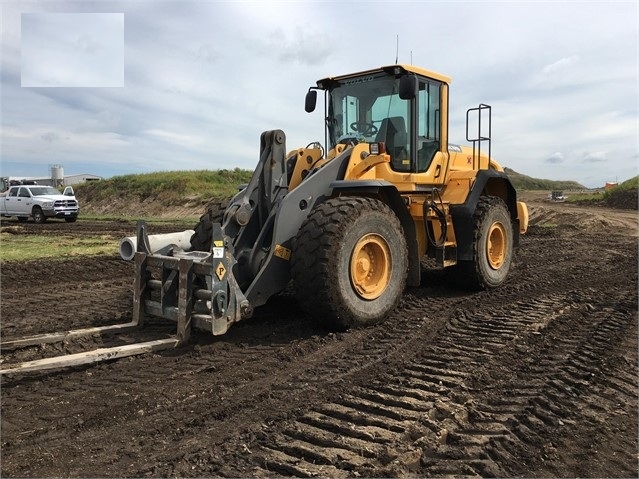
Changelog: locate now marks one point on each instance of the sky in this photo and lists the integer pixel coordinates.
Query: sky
(113, 88)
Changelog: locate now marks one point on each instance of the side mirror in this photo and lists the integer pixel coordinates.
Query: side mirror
(68, 191)
(311, 101)
(408, 87)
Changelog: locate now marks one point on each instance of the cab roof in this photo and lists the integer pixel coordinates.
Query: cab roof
(388, 69)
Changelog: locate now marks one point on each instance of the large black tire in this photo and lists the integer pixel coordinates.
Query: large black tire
(492, 247)
(350, 262)
(38, 215)
(201, 239)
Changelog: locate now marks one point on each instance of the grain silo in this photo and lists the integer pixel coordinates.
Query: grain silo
(57, 175)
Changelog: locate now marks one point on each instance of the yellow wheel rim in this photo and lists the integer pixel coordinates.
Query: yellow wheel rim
(370, 266)
(497, 245)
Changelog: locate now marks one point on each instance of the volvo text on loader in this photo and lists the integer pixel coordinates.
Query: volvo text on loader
(347, 221)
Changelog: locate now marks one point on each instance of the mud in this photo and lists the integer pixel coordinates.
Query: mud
(536, 379)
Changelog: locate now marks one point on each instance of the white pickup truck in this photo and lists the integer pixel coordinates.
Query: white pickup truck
(39, 202)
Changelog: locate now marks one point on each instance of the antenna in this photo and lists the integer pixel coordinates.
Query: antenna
(411, 57)
(397, 50)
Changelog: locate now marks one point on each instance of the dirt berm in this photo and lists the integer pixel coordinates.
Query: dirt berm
(536, 379)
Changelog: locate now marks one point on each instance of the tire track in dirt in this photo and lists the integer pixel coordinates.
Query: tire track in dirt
(430, 422)
(253, 381)
(575, 362)
(419, 402)
(337, 359)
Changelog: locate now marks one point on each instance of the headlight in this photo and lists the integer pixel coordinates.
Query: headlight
(47, 204)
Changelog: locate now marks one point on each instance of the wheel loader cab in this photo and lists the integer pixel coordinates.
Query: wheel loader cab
(404, 112)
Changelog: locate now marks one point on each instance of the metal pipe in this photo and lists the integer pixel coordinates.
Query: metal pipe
(182, 239)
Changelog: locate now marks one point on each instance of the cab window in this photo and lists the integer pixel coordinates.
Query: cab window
(429, 117)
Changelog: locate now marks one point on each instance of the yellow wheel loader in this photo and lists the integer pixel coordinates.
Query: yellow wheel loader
(350, 221)
(347, 221)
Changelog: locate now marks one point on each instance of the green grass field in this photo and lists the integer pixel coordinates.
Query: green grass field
(15, 247)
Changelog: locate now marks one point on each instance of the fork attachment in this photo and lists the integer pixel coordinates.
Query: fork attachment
(193, 288)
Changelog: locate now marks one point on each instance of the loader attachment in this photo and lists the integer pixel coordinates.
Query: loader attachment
(88, 357)
(192, 288)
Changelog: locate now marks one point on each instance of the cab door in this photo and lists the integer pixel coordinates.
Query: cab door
(11, 201)
(23, 202)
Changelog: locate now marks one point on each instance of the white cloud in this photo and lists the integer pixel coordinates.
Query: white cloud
(559, 65)
(556, 157)
(50, 136)
(304, 46)
(594, 157)
(176, 139)
(72, 49)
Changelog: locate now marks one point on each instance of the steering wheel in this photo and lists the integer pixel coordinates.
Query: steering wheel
(364, 128)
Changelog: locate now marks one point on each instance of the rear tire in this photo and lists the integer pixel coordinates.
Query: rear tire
(350, 262)
(492, 247)
(38, 215)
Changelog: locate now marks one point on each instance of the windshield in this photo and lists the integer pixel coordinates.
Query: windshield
(369, 109)
(43, 190)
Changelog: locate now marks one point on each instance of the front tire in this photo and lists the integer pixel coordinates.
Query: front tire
(492, 246)
(38, 215)
(350, 262)
(201, 238)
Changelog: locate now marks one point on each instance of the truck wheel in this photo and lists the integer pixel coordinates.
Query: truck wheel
(492, 246)
(350, 262)
(38, 215)
(201, 239)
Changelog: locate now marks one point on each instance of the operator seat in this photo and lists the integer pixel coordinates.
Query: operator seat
(393, 133)
(426, 153)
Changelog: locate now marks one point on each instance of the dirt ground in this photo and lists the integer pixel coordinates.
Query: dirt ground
(536, 379)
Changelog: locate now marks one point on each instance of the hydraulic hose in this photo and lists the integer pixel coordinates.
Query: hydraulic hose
(441, 216)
